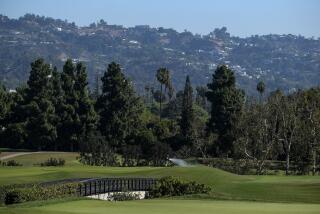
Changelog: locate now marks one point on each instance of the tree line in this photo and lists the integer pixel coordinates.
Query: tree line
(113, 125)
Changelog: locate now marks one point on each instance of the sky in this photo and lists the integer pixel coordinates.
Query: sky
(241, 17)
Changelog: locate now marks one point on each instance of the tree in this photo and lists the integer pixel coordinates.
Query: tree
(95, 151)
(57, 99)
(77, 112)
(163, 76)
(187, 114)
(118, 106)
(201, 99)
(40, 112)
(288, 123)
(3, 106)
(261, 88)
(258, 134)
(226, 105)
(15, 134)
(85, 109)
(310, 123)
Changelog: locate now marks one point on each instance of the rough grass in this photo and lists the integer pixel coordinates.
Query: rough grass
(301, 189)
(161, 206)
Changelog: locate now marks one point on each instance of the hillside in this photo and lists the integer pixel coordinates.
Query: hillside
(282, 61)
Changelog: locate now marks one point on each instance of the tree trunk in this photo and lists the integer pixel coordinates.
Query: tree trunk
(287, 163)
(314, 167)
(160, 100)
(71, 146)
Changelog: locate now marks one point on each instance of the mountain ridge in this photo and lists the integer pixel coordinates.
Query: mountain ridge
(287, 62)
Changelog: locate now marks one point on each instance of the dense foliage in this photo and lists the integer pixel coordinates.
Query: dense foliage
(170, 186)
(53, 162)
(36, 192)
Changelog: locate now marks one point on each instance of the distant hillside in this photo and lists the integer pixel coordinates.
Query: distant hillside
(282, 61)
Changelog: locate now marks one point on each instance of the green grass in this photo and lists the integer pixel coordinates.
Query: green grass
(162, 206)
(294, 189)
(37, 158)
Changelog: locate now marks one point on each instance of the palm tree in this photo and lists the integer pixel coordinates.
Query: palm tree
(260, 88)
(163, 76)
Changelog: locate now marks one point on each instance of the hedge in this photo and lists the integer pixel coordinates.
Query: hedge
(169, 186)
(38, 192)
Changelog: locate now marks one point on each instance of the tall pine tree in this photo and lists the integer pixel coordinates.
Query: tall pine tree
(118, 106)
(77, 112)
(40, 112)
(226, 105)
(187, 114)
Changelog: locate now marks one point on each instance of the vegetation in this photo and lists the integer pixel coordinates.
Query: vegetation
(37, 192)
(169, 186)
(53, 162)
(56, 111)
(284, 61)
(10, 163)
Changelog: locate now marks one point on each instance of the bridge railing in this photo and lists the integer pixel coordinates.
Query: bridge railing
(105, 185)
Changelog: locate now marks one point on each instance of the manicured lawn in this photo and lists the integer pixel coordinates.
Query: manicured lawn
(225, 185)
(162, 206)
(301, 189)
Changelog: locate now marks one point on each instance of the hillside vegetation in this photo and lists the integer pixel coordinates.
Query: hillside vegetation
(287, 62)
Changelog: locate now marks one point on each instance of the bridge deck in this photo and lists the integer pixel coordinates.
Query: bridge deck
(105, 185)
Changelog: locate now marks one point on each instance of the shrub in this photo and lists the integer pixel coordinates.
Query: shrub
(169, 186)
(11, 163)
(124, 196)
(13, 197)
(38, 192)
(53, 162)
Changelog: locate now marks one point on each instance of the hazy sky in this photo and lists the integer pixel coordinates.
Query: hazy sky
(241, 17)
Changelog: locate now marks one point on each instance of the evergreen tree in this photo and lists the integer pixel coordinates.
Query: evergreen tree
(40, 112)
(261, 88)
(85, 109)
(187, 114)
(67, 129)
(3, 106)
(226, 105)
(77, 112)
(57, 101)
(118, 106)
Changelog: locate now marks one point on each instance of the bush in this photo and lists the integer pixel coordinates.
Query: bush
(53, 162)
(38, 192)
(169, 186)
(13, 197)
(11, 163)
(124, 196)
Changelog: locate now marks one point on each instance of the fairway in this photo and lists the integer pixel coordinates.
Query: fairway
(225, 185)
(163, 206)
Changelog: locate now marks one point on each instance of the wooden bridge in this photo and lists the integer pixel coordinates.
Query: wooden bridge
(106, 185)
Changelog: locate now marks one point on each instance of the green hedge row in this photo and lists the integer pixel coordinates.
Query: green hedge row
(37, 192)
(170, 186)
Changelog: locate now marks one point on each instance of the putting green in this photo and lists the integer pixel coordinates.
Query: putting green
(163, 206)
